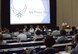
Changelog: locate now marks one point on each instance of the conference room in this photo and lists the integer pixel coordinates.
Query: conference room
(38, 27)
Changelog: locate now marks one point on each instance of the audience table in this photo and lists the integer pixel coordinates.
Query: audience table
(64, 52)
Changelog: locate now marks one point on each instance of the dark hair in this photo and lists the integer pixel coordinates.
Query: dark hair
(38, 32)
(17, 29)
(1, 37)
(76, 37)
(73, 28)
(63, 32)
(20, 31)
(49, 41)
(57, 28)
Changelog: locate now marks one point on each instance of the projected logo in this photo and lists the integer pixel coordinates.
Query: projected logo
(18, 13)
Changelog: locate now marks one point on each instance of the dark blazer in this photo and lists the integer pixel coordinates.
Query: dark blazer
(75, 50)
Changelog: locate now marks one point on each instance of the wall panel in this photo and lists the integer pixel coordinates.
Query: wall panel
(67, 11)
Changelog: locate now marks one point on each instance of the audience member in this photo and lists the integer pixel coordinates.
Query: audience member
(2, 42)
(16, 33)
(75, 50)
(37, 28)
(38, 35)
(74, 31)
(21, 36)
(63, 38)
(44, 30)
(49, 42)
(3, 29)
(6, 34)
(31, 30)
(25, 29)
(0, 30)
(56, 31)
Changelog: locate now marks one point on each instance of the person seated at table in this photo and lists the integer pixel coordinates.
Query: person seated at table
(44, 30)
(49, 41)
(2, 42)
(63, 38)
(1, 30)
(38, 35)
(74, 30)
(21, 36)
(31, 30)
(56, 31)
(25, 29)
(16, 33)
(7, 34)
(75, 50)
(37, 28)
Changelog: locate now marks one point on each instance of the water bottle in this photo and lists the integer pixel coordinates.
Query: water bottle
(66, 48)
